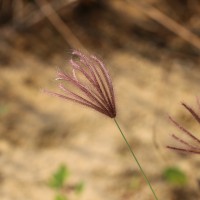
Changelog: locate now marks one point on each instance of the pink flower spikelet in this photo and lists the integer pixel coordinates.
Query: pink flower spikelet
(89, 84)
(187, 146)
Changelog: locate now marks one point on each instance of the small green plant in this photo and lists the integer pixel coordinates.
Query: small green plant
(135, 183)
(3, 109)
(79, 187)
(59, 177)
(60, 197)
(175, 176)
(59, 183)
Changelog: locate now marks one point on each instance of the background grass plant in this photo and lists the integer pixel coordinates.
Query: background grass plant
(60, 183)
(93, 89)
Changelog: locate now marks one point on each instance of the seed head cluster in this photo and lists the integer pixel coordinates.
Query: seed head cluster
(187, 146)
(88, 84)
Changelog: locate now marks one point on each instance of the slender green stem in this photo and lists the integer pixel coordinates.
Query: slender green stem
(136, 160)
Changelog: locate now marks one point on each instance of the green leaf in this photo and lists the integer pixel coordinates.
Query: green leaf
(79, 187)
(59, 177)
(135, 183)
(3, 109)
(175, 176)
(60, 197)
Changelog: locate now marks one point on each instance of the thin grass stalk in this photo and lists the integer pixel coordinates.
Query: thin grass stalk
(136, 160)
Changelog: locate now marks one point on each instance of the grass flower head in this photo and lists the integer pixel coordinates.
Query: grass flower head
(92, 87)
(187, 146)
(92, 84)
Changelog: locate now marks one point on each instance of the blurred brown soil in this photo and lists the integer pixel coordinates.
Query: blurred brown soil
(153, 71)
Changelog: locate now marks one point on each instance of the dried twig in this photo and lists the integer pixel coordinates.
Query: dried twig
(125, 7)
(37, 16)
(167, 22)
(18, 11)
(58, 23)
(6, 9)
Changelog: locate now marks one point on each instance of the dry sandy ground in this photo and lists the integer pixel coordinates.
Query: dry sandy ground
(38, 132)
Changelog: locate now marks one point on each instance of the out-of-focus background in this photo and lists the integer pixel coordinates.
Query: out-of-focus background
(55, 150)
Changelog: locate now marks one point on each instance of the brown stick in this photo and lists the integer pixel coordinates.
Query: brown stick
(37, 16)
(60, 26)
(167, 22)
(18, 11)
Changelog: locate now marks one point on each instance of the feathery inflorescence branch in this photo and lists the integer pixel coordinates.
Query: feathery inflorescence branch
(94, 89)
(92, 83)
(187, 147)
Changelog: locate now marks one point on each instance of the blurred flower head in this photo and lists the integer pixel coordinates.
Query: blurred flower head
(89, 84)
(194, 145)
